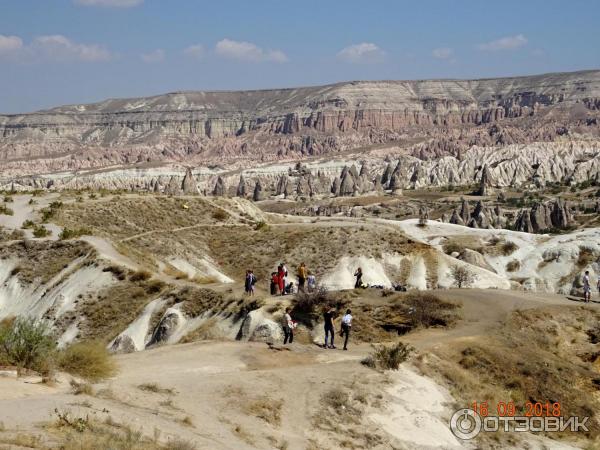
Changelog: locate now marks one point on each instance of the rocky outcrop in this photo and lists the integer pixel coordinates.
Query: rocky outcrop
(258, 194)
(543, 217)
(241, 189)
(219, 190)
(445, 117)
(485, 183)
(189, 186)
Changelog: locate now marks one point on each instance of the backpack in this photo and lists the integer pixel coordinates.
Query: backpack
(253, 280)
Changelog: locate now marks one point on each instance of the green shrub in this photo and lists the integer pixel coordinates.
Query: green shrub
(89, 360)
(508, 248)
(513, 266)
(27, 344)
(28, 224)
(5, 210)
(40, 231)
(140, 275)
(261, 226)
(8, 199)
(388, 357)
(68, 233)
(220, 215)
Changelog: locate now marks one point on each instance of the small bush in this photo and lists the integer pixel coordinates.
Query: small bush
(28, 224)
(81, 388)
(427, 310)
(513, 266)
(156, 389)
(386, 357)
(89, 360)
(463, 276)
(220, 215)
(27, 344)
(451, 247)
(118, 271)
(261, 226)
(140, 275)
(508, 248)
(8, 199)
(68, 233)
(586, 256)
(41, 231)
(5, 210)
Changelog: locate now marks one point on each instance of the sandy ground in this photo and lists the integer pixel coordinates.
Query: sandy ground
(212, 382)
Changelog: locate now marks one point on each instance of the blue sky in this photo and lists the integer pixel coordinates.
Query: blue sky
(55, 52)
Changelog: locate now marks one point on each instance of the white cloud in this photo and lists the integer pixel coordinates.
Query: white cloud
(9, 44)
(53, 48)
(442, 53)
(247, 51)
(364, 52)
(194, 51)
(155, 56)
(109, 3)
(59, 48)
(505, 43)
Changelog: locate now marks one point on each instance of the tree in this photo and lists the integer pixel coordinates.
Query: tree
(463, 277)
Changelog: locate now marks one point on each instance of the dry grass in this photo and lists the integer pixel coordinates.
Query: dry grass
(89, 360)
(82, 433)
(43, 260)
(265, 408)
(542, 355)
(117, 306)
(156, 389)
(513, 266)
(81, 388)
(388, 357)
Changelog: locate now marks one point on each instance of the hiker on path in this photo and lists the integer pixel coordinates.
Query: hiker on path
(301, 277)
(328, 317)
(250, 282)
(288, 327)
(312, 282)
(587, 289)
(281, 274)
(358, 275)
(346, 327)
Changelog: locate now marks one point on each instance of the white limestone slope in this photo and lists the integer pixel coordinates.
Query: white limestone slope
(547, 263)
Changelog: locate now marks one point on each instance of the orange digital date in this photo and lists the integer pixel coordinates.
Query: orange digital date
(509, 409)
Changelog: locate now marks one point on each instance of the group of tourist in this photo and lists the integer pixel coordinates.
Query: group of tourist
(281, 285)
(329, 316)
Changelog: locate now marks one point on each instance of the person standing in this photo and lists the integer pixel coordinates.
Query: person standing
(587, 289)
(328, 317)
(252, 283)
(346, 327)
(288, 327)
(358, 275)
(301, 277)
(248, 282)
(274, 283)
(281, 274)
(312, 282)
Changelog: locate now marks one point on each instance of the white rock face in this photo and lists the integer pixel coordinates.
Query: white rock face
(242, 129)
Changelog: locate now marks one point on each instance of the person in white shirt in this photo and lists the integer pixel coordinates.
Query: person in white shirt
(288, 327)
(312, 282)
(587, 290)
(346, 327)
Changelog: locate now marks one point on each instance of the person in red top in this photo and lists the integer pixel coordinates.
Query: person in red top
(274, 283)
(281, 274)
